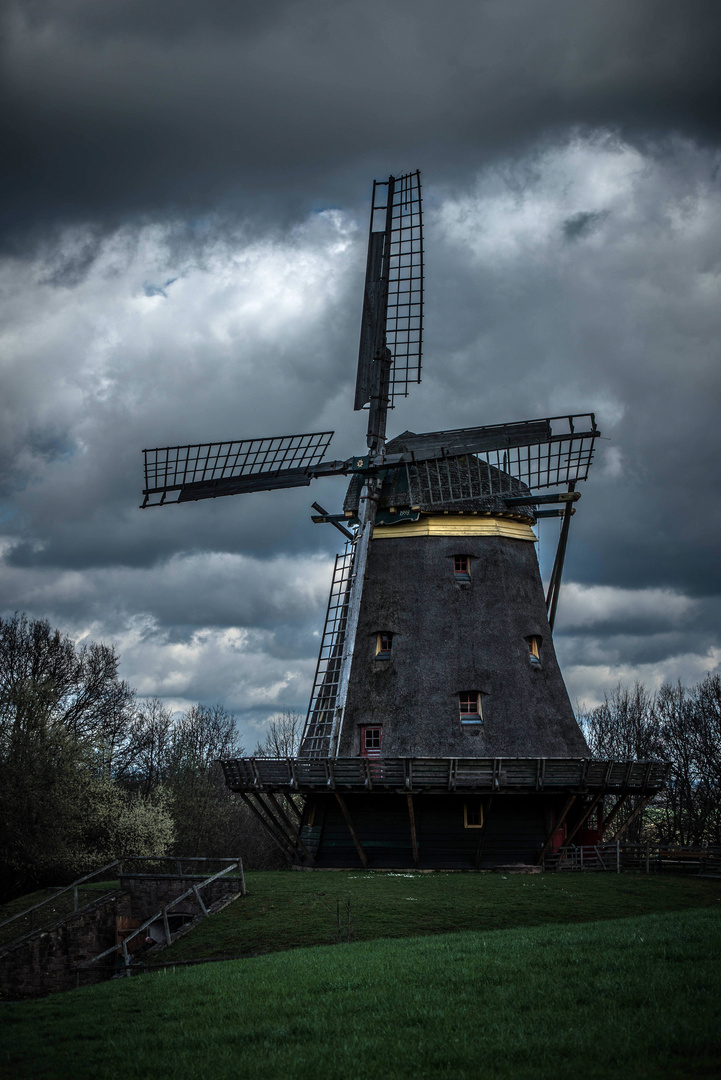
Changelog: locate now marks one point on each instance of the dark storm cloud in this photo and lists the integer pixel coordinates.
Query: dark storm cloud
(582, 224)
(121, 108)
(175, 271)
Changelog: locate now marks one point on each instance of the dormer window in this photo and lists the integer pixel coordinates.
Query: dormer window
(469, 702)
(384, 645)
(462, 569)
(534, 649)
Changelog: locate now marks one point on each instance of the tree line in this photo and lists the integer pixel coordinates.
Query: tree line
(678, 724)
(89, 773)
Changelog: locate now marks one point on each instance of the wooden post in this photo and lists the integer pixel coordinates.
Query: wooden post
(199, 898)
(554, 586)
(557, 825)
(641, 806)
(648, 857)
(349, 823)
(296, 811)
(75, 898)
(414, 840)
(618, 857)
(166, 926)
(241, 875)
(614, 810)
(484, 832)
(268, 827)
(294, 832)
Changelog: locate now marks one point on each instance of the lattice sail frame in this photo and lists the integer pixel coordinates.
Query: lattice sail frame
(393, 294)
(564, 458)
(169, 469)
(404, 319)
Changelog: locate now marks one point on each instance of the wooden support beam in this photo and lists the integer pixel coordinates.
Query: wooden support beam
(554, 586)
(484, 832)
(292, 829)
(414, 839)
(199, 898)
(585, 814)
(268, 827)
(349, 823)
(612, 813)
(641, 806)
(557, 825)
(291, 803)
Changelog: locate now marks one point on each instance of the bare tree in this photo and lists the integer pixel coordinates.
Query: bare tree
(680, 725)
(282, 739)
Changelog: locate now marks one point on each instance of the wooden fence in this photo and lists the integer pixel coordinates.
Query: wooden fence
(644, 858)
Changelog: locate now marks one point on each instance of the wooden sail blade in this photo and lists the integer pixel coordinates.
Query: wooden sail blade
(431, 444)
(393, 297)
(208, 470)
(506, 460)
(270, 481)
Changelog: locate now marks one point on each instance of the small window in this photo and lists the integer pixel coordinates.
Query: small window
(473, 814)
(384, 644)
(371, 739)
(462, 568)
(534, 649)
(470, 707)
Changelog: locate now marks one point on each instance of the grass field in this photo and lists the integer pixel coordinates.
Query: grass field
(286, 910)
(638, 997)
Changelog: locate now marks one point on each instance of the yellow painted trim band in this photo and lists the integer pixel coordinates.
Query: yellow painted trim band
(456, 525)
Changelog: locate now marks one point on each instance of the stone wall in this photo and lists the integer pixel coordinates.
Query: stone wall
(47, 962)
(146, 894)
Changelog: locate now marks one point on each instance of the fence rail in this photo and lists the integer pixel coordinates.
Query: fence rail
(647, 858)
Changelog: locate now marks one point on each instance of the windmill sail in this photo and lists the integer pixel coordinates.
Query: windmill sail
(207, 470)
(504, 459)
(393, 298)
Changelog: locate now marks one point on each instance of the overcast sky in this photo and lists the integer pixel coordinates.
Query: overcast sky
(184, 216)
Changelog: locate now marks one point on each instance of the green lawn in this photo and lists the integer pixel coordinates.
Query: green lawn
(285, 910)
(613, 999)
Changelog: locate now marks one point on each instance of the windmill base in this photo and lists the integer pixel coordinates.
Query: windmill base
(452, 832)
(438, 813)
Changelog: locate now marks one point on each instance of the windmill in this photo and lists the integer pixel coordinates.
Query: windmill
(439, 731)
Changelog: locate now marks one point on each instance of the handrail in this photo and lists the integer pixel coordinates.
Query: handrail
(102, 870)
(73, 885)
(163, 913)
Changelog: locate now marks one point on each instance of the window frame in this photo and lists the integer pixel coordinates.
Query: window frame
(462, 568)
(481, 815)
(470, 715)
(384, 653)
(365, 750)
